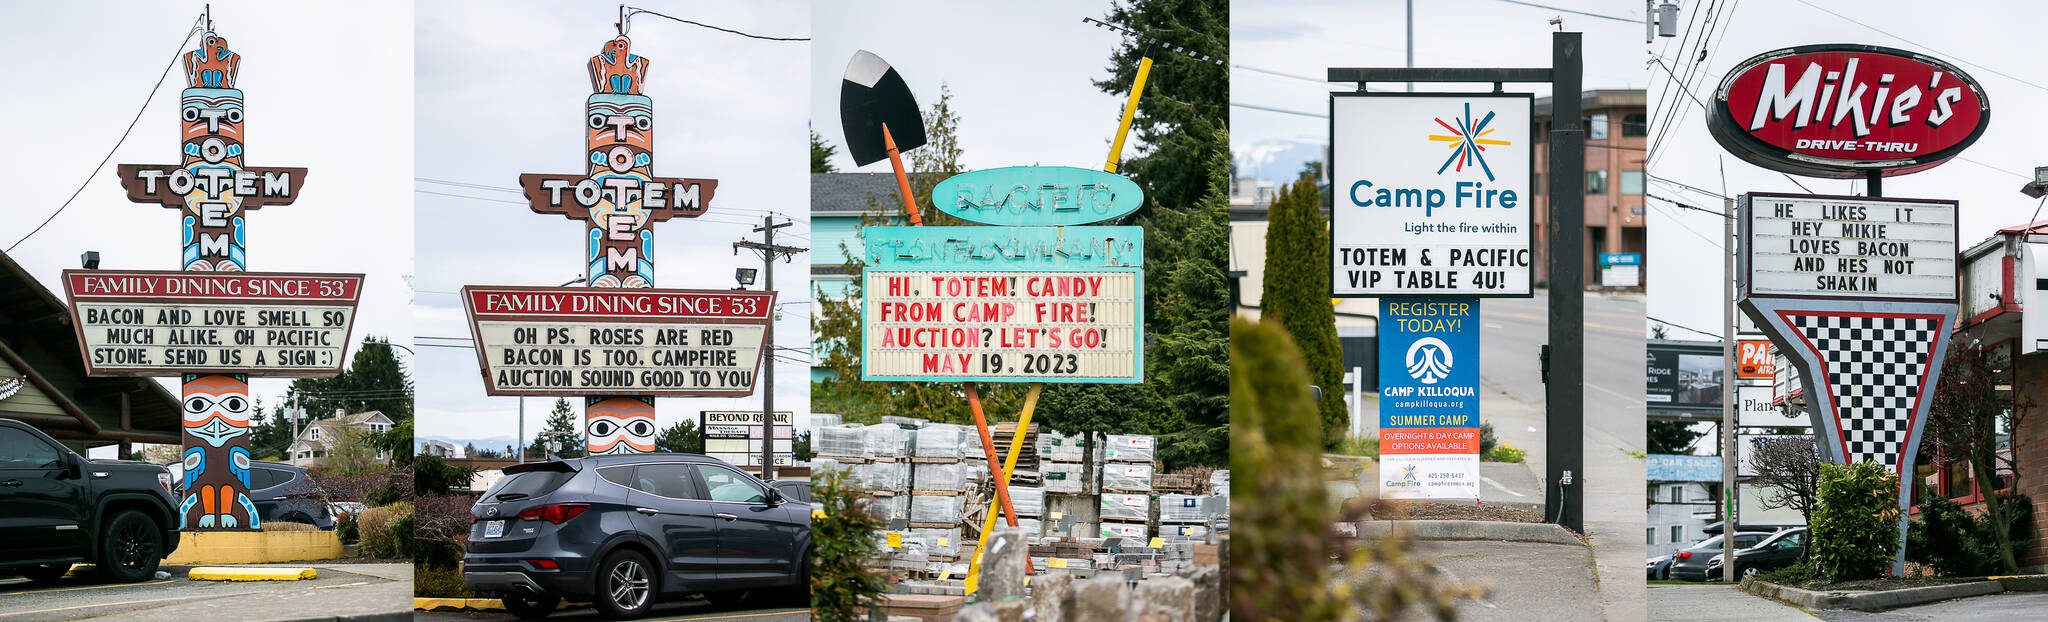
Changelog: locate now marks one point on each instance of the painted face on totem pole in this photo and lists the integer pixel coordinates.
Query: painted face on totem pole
(211, 135)
(619, 131)
(619, 425)
(216, 409)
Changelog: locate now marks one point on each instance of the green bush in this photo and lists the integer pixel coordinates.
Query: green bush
(1958, 543)
(1796, 575)
(345, 529)
(843, 586)
(387, 531)
(1487, 440)
(1367, 446)
(1281, 558)
(431, 582)
(1855, 522)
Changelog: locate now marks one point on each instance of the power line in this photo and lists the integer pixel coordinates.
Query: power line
(124, 135)
(1317, 115)
(1684, 205)
(1930, 48)
(1629, 20)
(1678, 325)
(632, 11)
(1282, 74)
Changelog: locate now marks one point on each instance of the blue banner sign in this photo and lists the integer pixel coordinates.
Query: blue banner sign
(1038, 195)
(1621, 259)
(1429, 398)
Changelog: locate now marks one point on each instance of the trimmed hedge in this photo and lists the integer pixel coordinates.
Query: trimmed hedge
(1855, 522)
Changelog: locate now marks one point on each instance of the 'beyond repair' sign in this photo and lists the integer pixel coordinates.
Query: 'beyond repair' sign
(1429, 398)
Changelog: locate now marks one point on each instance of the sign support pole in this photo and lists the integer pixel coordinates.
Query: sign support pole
(988, 521)
(1564, 395)
(1728, 406)
(770, 251)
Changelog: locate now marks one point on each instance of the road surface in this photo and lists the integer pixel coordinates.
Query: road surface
(355, 592)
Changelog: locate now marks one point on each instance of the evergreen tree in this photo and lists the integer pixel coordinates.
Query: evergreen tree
(563, 429)
(681, 437)
(1672, 437)
(1192, 328)
(800, 447)
(1296, 293)
(375, 380)
(821, 154)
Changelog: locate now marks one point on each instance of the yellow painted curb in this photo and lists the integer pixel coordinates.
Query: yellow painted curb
(457, 604)
(251, 574)
(200, 548)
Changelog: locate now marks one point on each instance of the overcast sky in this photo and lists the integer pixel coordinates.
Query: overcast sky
(1022, 74)
(1304, 38)
(501, 92)
(1985, 179)
(328, 86)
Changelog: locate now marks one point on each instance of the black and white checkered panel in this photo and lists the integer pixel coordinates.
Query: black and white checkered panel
(1874, 367)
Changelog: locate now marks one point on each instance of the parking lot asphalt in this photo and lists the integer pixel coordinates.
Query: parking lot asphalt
(693, 610)
(343, 592)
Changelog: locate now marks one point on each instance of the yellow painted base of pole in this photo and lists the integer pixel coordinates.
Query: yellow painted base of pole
(988, 522)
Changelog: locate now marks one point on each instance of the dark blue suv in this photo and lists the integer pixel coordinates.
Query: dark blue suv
(621, 531)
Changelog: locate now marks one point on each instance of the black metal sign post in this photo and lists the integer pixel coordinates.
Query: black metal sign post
(1564, 395)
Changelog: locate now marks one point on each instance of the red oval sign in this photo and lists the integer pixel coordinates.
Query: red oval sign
(1845, 111)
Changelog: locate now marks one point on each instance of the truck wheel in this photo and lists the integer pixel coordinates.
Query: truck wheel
(626, 586)
(131, 546)
(531, 607)
(47, 573)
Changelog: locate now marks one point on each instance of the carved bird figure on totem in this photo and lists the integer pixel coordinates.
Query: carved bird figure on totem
(213, 65)
(617, 69)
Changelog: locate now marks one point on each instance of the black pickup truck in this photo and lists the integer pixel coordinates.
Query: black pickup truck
(57, 508)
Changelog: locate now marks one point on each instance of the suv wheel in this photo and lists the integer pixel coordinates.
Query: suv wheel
(130, 547)
(625, 586)
(1747, 572)
(531, 607)
(47, 573)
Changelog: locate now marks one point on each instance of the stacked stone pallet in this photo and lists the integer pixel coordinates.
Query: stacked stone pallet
(1126, 502)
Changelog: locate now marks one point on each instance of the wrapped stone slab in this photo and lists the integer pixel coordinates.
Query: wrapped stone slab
(940, 440)
(1182, 509)
(1027, 500)
(1130, 448)
(1127, 477)
(951, 477)
(935, 509)
(1064, 478)
(1123, 506)
(884, 440)
(841, 440)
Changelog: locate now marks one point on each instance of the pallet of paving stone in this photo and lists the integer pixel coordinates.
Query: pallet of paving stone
(923, 607)
(1175, 483)
(1206, 554)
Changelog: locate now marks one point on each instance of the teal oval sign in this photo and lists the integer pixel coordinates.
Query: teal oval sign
(1038, 195)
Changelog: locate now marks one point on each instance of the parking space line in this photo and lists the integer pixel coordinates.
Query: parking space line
(323, 587)
(100, 605)
(90, 587)
(734, 616)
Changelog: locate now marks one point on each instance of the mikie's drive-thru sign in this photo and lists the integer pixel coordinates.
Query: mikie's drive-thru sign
(1859, 293)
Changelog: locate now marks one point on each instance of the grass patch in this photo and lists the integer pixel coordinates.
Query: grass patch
(431, 582)
(287, 526)
(1367, 446)
(1504, 453)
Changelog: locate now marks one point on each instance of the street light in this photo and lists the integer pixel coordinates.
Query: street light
(745, 276)
(2039, 186)
(90, 260)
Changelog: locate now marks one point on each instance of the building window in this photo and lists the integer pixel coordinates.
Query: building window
(1677, 534)
(1596, 181)
(1596, 127)
(1631, 182)
(1635, 125)
(313, 433)
(1677, 494)
(1649, 535)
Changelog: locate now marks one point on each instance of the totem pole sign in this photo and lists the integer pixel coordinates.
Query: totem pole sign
(214, 323)
(618, 350)
(1858, 293)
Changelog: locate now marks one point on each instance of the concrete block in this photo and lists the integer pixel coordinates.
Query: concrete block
(1101, 599)
(1049, 592)
(1002, 572)
(1172, 596)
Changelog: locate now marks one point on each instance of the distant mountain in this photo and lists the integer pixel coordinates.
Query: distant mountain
(497, 443)
(1278, 161)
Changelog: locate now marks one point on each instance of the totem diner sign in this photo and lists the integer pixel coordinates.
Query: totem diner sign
(572, 341)
(1031, 300)
(1846, 111)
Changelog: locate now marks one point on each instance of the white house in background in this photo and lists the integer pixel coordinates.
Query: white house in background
(319, 436)
(440, 449)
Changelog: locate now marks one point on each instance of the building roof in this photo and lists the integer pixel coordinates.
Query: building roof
(39, 342)
(851, 194)
(1598, 99)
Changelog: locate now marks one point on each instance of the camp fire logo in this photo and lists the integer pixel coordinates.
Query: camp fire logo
(1429, 360)
(1467, 145)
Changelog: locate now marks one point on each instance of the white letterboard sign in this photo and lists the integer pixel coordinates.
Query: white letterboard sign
(1433, 194)
(165, 323)
(577, 341)
(1849, 247)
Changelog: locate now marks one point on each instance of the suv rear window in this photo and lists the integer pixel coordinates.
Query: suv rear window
(530, 484)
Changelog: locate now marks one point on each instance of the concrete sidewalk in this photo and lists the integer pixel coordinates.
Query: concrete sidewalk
(352, 592)
(1530, 582)
(1703, 602)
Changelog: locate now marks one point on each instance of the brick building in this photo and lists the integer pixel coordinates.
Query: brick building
(1617, 128)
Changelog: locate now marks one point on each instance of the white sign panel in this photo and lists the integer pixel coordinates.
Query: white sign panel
(157, 323)
(1433, 194)
(1002, 325)
(1747, 445)
(618, 341)
(741, 424)
(1754, 409)
(1849, 247)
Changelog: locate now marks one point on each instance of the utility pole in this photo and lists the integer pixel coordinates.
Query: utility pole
(1728, 453)
(769, 251)
(1564, 395)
